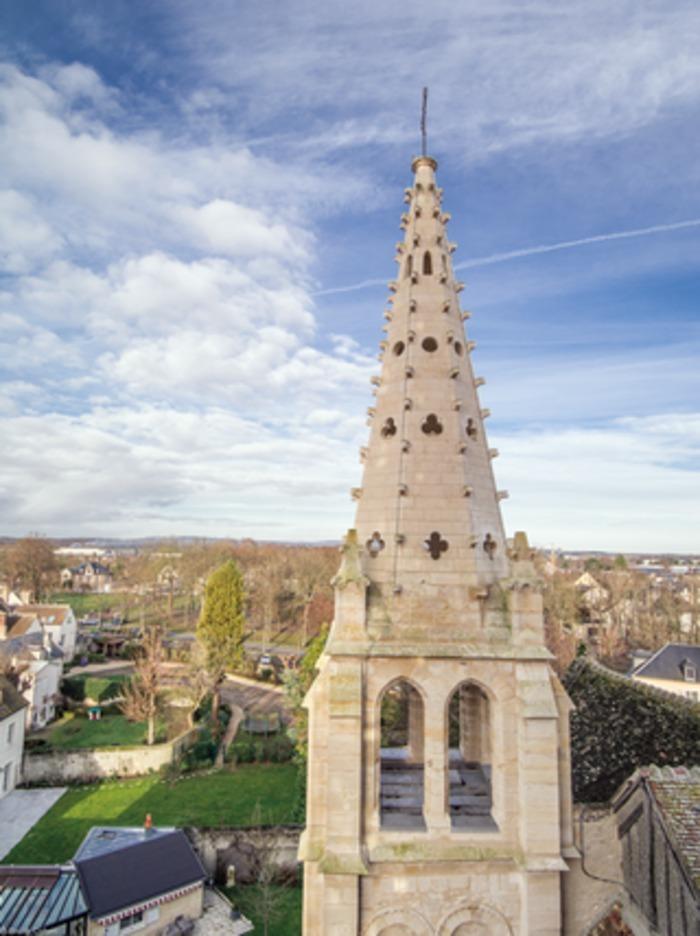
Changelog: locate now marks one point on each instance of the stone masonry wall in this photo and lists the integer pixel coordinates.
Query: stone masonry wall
(243, 848)
(98, 763)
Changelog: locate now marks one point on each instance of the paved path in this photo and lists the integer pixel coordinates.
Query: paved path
(20, 810)
(255, 698)
(216, 920)
(237, 716)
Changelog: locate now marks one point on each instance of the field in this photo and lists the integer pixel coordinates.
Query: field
(249, 795)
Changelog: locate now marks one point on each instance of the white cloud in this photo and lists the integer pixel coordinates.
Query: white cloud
(630, 484)
(26, 240)
(502, 76)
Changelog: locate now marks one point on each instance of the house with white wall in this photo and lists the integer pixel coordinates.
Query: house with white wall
(58, 622)
(674, 668)
(12, 715)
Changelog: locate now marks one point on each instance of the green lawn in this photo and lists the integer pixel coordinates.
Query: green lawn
(75, 731)
(285, 908)
(245, 796)
(86, 603)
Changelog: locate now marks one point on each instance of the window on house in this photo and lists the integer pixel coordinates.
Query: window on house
(468, 784)
(130, 922)
(10, 733)
(401, 781)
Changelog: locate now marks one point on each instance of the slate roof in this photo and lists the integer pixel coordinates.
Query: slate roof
(97, 568)
(34, 898)
(103, 839)
(667, 663)
(10, 699)
(136, 873)
(676, 791)
(52, 614)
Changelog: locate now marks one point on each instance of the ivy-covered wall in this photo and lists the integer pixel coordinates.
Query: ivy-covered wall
(619, 725)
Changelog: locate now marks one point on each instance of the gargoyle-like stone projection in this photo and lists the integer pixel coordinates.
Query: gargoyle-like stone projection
(431, 425)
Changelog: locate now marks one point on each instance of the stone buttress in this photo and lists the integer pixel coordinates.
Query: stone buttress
(455, 817)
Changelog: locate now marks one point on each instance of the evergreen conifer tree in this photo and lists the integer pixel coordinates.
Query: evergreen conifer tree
(221, 626)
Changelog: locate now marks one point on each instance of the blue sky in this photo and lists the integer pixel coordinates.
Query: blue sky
(198, 209)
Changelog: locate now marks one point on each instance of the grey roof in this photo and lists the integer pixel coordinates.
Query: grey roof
(103, 839)
(137, 873)
(34, 898)
(676, 793)
(668, 662)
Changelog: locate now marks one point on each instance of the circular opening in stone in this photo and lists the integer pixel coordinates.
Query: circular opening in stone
(458, 348)
(429, 344)
(399, 348)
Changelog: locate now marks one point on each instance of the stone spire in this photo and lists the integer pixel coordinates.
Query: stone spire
(428, 514)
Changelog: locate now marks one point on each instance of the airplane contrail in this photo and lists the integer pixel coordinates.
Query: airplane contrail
(532, 251)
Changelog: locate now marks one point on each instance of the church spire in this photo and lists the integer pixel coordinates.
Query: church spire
(428, 512)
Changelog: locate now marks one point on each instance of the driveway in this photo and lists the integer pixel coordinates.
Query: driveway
(20, 810)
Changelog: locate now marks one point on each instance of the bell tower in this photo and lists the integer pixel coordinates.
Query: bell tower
(438, 798)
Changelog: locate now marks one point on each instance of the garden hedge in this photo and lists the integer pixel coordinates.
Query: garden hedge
(619, 725)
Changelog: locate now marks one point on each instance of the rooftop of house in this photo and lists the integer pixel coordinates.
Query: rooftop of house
(19, 623)
(36, 898)
(157, 863)
(10, 699)
(674, 661)
(101, 840)
(91, 568)
(47, 613)
(676, 793)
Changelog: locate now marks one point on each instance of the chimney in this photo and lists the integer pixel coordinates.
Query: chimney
(148, 823)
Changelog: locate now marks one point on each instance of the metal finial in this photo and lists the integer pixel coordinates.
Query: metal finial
(423, 120)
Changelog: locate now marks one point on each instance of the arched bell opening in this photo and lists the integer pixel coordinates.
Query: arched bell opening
(401, 783)
(469, 790)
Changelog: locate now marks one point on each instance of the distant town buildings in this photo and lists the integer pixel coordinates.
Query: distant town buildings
(89, 576)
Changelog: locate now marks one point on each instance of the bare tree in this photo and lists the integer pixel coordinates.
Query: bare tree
(30, 564)
(142, 696)
(266, 896)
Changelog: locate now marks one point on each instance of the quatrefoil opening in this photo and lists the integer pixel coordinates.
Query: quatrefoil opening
(436, 545)
(375, 544)
(431, 425)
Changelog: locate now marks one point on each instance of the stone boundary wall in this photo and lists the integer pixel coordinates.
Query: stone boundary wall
(218, 849)
(84, 766)
(619, 725)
